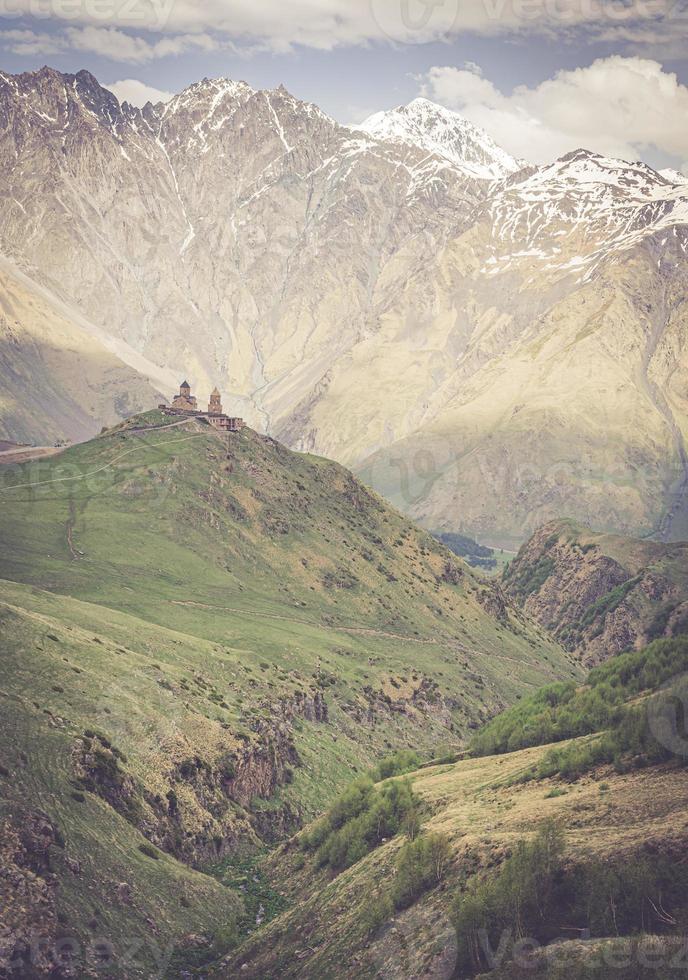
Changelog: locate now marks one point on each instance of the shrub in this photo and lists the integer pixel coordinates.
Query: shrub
(517, 899)
(535, 892)
(609, 602)
(526, 579)
(376, 910)
(562, 711)
(403, 761)
(633, 741)
(359, 820)
(149, 851)
(421, 864)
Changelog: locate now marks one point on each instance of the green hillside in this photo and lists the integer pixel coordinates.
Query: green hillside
(629, 702)
(495, 865)
(526, 872)
(203, 641)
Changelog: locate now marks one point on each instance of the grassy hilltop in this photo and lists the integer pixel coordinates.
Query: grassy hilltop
(203, 641)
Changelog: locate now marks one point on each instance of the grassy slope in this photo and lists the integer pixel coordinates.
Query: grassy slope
(484, 807)
(605, 815)
(564, 710)
(182, 601)
(600, 593)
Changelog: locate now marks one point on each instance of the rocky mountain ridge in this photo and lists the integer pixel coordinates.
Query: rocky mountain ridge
(600, 594)
(443, 133)
(524, 333)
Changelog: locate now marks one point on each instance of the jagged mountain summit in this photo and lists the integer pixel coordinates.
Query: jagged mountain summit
(490, 353)
(444, 133)
(674, 176)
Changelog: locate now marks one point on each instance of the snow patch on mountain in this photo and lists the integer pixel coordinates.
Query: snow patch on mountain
(575, 212)
(445, 133)
(673, 176)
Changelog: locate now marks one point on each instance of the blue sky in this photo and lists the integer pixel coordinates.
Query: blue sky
(541, 75)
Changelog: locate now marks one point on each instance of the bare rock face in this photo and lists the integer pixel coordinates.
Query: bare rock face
(600, 594)
(27, 894)
(491, 345)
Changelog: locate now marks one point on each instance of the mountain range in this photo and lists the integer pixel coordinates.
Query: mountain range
(489, 343)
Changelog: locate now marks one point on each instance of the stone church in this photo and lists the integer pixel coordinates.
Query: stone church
(185, 403)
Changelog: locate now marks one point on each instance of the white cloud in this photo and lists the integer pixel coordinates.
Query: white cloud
(326, 24)
(108, 42)
(28, 43)
(137, 93)
(617, 106)
(117, 45)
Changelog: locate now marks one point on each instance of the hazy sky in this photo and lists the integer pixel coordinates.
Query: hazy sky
(543, 76)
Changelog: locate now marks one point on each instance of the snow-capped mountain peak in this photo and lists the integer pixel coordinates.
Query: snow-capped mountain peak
(439, 130)
(673, 176)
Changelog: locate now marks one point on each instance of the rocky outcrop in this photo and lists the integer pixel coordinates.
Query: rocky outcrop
(600, 594)
(417, 697)
(206, 810)
(492, 599)
(27, 899)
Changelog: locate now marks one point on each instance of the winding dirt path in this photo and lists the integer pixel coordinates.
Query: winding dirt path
(100, 469)
(366, 631)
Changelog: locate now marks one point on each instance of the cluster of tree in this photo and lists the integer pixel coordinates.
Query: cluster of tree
(510, 905)
(397, 764)
(363, 817)
(607, 603)
(478, 555)
(564, 710)
(421, 864)
(360, 820)
(643, 734)
(524, 578)
(536, 890)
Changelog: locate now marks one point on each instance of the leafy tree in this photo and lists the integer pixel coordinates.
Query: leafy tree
(421, 864)
(518, 900)
(360, 819)
(562, 711)
(397, 764)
